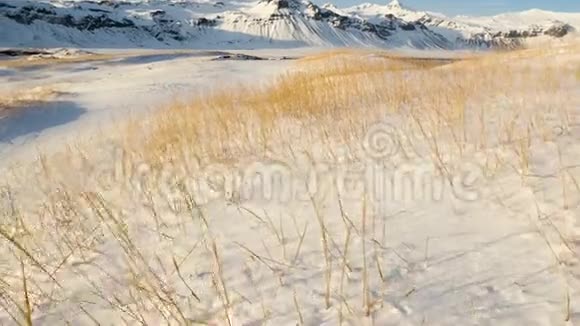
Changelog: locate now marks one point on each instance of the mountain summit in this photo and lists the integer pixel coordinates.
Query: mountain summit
(397, 4)
(266, 23)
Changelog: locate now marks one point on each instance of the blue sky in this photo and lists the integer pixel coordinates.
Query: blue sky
(474, 7)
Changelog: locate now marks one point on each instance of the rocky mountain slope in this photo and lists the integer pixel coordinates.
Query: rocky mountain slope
(506, 30)
(263, 23)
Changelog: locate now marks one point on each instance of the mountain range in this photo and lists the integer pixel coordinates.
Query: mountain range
(264, 23)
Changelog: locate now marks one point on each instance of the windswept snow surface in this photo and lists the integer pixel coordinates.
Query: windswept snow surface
(97, 93)
(482, 250)
(504, 257)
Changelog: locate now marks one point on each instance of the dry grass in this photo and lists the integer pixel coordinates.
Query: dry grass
(331, 54)
(130, 239)
(18, 99)
(341, 53)
(243, 121)
(347, 90)
(24, 62)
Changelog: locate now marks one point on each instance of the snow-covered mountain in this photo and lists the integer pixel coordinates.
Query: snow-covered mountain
(263, 23)
(505, 30)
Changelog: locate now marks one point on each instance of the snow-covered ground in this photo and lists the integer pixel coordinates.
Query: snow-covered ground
(95, 94)
(484, 250)
(160, 185)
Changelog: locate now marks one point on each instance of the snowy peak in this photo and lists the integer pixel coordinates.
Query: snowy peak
(396, 5)
(262, 23)
(221, 24)
(505, 30)
(282, 4)
(374, 12)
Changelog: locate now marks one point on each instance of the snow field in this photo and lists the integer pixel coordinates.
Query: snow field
(206, 210)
